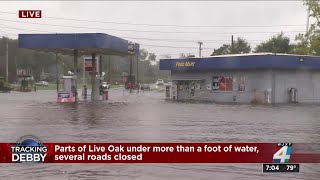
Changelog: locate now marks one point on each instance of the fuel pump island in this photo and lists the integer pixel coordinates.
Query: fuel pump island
(78, 45)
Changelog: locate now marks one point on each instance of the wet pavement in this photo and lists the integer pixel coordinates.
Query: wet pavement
(148, 117)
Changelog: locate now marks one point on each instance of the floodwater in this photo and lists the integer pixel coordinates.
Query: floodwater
(148, 117)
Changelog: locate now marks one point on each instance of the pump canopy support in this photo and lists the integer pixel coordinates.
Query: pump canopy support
(93, 76)
(75, 64)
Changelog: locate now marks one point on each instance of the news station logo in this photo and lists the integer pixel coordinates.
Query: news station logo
(30, 13)
(28, 149)
(283, 151)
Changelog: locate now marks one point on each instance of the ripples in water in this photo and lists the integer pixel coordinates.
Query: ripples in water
(148, 117)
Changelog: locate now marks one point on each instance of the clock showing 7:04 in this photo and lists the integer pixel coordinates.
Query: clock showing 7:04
(273, 168)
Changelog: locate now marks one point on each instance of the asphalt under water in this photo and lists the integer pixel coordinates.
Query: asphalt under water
(148, 117)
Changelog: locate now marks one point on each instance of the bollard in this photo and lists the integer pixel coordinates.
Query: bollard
(84, 92)
(106, 95)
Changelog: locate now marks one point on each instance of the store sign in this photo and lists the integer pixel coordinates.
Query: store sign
(185, 64)
(24, 72)
(88, 64)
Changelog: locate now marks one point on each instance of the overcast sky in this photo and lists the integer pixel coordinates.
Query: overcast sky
(177, 15)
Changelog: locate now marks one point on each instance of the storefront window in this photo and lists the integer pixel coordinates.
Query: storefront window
(215, 83)
(222, 83)
(242, 83)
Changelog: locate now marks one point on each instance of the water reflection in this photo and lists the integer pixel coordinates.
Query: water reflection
(147, 117)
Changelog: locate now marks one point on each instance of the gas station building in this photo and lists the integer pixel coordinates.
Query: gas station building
(245, 78)
(77, 45)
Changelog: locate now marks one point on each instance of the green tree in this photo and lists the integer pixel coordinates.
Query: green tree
(167, 56)
(188, 55)
(302, 45)
(309, 43)
(143, 54)
(152, 57)
(23, 58)
(224, 49)
(239, 46)
(276, 44)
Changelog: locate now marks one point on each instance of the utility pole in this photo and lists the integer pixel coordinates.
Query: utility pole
(200, 44)
(307, 25)
(57, 76)
(232, 47)
(7, 61)
(84, 72)
(131, 50)
(130, 74)
(138, 72)
(109, 71)
(308, 16)
(15, 64)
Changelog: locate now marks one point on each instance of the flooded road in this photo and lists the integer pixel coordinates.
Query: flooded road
(147, 117)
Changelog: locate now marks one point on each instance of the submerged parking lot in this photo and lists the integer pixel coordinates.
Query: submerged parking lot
(148, 117)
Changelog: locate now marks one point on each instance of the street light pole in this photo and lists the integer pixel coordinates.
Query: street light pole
(200, 44)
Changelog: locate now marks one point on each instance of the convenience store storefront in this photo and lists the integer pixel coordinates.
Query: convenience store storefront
(244, 78)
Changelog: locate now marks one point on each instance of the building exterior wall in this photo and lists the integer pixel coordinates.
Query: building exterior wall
(305, 81)
(261, 86)
(257, 81)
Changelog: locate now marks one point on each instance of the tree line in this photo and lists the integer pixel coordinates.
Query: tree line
(306, 43)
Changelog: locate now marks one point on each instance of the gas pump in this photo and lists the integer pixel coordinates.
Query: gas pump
(69, 91)
(98, 95)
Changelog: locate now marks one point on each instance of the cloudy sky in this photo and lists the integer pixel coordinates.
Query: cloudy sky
(161, 27)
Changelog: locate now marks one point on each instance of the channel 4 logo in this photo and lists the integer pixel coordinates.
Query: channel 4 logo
(283, 151)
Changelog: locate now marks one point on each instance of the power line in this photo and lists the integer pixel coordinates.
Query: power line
(144, 31)
(139, 38)
(142, 44)
(7, 33)
(184, 40)
(166, 25)
(181, 40)
(151, 45)
(32, 30)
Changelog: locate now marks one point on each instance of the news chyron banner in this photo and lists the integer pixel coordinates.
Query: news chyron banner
(29, 149)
